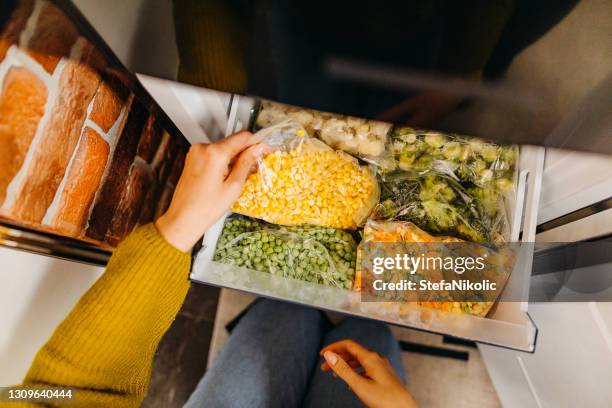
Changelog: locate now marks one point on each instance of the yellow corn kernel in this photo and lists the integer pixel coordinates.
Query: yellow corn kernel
(309, 187)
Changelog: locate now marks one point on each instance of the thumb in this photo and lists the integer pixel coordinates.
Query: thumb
(243, 165)
(345, 372)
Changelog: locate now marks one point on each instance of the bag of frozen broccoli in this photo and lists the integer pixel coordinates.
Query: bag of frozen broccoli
(303, 181)
(439, 204)
(310, 253)
(468, 160)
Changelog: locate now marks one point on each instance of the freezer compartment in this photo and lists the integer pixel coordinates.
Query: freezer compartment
(508, 324)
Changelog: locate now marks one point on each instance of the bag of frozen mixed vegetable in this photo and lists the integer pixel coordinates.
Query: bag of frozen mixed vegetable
(468, 160)
(390, 239)
(360, 137)
(441, 205)
(305, 182)
(309, 253)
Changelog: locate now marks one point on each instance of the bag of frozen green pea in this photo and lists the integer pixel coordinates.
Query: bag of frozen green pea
(309, 253)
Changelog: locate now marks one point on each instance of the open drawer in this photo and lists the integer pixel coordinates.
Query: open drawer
(508, 325)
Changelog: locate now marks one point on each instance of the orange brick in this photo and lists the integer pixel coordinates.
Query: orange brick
(14, 25)
(110, 99)
(112, 188)
(22, 104)
(77, 86)
(82, 183)
(53, 37)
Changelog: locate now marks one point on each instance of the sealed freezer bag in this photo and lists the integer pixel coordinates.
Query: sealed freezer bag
(303, 181)
(360, 137)
(439, 257)
(468, 160)
(310, 253)
(439, 204)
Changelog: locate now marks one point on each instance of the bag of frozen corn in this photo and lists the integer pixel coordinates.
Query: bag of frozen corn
(309, 253)
(305, 182)
(392, 239)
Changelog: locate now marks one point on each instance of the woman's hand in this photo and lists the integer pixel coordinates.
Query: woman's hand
(212, 180)
(377, 385)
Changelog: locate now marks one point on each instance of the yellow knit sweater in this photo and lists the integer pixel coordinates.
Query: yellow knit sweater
(104, 349)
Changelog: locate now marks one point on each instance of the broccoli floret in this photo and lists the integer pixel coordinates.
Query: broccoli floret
(451, 150)
(440, 215)
(435, 140)
(489, 152)
(470, 233)
(436, 188)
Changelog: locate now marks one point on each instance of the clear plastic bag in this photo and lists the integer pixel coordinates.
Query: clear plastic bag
(309, 253)
(393, 238)
(305, 182)
(468, 160)
(359, 137)
(439, 204)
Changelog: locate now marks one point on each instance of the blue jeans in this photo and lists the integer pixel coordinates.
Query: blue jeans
(272, 360)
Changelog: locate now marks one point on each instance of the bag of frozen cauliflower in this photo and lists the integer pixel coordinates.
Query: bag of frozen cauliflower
(304, 181)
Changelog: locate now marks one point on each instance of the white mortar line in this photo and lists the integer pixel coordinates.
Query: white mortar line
(111, 139)
(159, 154)
(28, 62)
(30, 27)
(7, 63)
(54, 206)
(52, 82)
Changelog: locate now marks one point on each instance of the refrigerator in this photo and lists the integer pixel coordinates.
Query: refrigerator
(93, 155)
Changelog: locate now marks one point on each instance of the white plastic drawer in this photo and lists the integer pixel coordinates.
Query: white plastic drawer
(509, 325)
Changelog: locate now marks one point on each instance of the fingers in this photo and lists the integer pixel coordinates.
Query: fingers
(357, 382)
(236, 143)
(373, 363)
(243, 166)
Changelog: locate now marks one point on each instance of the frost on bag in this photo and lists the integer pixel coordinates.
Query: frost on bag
(439, 204)
(303, 181)
(309, 253)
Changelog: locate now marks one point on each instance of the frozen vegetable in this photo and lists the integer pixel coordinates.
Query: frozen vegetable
(310, 253)
(468, 160)
(304, 182)
(360, 137)
(441, 205)
(394, 238)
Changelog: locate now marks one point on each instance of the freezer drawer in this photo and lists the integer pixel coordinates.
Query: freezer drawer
(509, 325)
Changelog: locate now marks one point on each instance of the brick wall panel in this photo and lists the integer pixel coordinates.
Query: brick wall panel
(128, 211)
(22, 104)
(82, 183)
(15, 25)
(77, 86)
(150, 140)
(53, 37)
(110, 99)
(112, 188)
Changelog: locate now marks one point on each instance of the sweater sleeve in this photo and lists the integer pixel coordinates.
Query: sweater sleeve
(104, 349)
